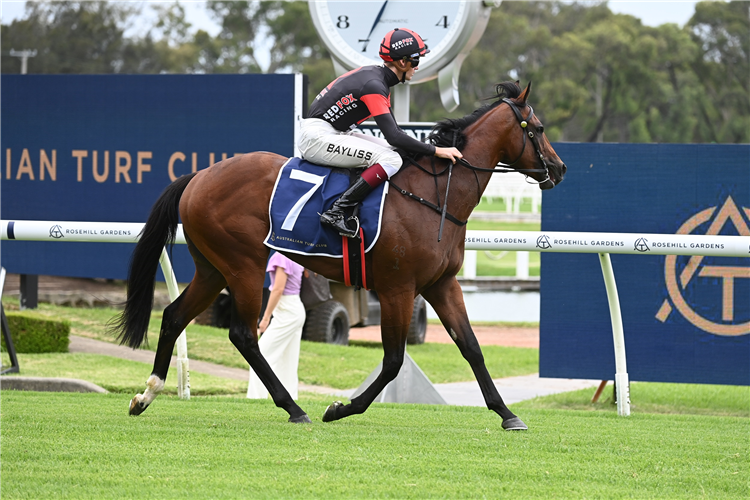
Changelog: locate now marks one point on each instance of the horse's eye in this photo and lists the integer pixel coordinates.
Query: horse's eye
(540, 129)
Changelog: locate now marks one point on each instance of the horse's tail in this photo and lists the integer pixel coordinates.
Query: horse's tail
(131, 327)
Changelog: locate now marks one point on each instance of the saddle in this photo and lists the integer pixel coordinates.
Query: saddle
(303, 191)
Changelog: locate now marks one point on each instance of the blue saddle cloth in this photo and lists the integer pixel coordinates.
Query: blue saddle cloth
(302, 191)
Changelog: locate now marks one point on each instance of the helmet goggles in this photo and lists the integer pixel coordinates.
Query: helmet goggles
(413, 59)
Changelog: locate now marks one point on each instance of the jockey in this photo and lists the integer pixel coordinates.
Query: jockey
(327, 136)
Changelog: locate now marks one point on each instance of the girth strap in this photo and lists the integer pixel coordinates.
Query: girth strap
(428, 204)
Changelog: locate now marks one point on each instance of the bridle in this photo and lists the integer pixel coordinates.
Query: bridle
(499, 168)
(503, 168)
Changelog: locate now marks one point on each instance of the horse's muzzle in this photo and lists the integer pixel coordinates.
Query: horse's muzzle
(556, 173)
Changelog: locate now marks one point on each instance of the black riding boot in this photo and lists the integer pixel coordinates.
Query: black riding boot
(335, 216)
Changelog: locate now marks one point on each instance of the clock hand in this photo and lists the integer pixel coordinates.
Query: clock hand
(377, 20)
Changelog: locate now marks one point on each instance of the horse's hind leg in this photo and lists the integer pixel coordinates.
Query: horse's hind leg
(395, 312)
(199, 294)
(446, 298)
(246, 303)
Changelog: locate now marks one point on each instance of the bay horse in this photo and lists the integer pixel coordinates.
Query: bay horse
(224, 211)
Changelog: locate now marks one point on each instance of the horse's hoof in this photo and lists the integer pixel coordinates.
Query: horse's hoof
(330, 414)
(303, 419)
(137, 407)
(514, 424)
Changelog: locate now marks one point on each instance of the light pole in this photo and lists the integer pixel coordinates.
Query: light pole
(24, 55)
(29, 289)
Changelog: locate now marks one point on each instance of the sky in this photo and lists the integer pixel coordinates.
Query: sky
(650, 12)
(656, 13)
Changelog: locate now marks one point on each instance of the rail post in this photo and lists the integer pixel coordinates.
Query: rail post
(621, 368)
(470, 264)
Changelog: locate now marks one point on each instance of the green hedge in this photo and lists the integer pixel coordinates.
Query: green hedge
(32, 334)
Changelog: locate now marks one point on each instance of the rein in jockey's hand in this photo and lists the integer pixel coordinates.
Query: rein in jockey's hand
(451, 154)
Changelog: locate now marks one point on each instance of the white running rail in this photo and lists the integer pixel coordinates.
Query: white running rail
(532, 241)
(106, 232)
(605, 244)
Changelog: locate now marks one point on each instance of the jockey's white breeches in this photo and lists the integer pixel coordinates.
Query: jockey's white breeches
(320, 143)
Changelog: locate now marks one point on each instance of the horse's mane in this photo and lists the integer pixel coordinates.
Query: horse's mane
(449, 132)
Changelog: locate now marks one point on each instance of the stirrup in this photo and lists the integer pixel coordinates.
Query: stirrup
(356, 230)
(334, 224)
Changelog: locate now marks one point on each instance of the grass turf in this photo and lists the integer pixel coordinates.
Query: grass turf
(58, 445)
(128, 377)
(119, 375)
(651, 397)
(341, 367)
(498, 205)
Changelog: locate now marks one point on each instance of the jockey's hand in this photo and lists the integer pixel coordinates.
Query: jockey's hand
(451, 154)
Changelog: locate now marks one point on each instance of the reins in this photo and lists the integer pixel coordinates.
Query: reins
(498, 169)
(428, 204)
(507, 167)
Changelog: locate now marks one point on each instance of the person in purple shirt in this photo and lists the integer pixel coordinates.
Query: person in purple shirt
(280, 339)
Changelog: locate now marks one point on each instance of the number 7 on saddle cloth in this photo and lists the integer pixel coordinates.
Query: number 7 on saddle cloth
(304, 190)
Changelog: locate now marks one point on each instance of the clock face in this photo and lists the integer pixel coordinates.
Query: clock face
(353, 30)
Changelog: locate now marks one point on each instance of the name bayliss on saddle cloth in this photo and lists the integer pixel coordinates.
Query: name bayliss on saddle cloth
(303, 191)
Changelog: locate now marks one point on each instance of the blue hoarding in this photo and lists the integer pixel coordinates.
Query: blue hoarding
(686, 319)
(103, 147)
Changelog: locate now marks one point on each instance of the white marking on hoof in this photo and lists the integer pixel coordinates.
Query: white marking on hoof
(136, 400)
(154, 386)
(136, 405)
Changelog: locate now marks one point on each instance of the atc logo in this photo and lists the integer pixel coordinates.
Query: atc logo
(732, 278)
(543, 242)
(55, 232)
(641, 245)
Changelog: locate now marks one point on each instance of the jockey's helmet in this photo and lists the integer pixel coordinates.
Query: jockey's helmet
(403, 44)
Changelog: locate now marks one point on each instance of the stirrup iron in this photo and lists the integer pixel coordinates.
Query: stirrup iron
(356, 230)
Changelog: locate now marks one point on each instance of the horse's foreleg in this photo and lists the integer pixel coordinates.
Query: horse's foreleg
(245, 340)
(446, 298)
(395, 314)
(194, 299)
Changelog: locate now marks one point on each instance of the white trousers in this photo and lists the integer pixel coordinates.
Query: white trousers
(280, 346)
(320, 143)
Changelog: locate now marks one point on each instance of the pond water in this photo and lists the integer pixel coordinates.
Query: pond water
(499, 306)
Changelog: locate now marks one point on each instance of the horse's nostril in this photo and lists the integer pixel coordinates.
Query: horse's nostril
(564, 169)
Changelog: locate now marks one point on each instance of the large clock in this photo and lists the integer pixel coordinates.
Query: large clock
(352, 31)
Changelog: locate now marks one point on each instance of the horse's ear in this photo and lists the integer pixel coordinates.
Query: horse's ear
(525, 94)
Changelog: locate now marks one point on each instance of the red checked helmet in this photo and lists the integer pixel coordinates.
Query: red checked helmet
(402, 43)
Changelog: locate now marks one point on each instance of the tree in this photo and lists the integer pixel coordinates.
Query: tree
(722, 30)
(233, 50)
(286, 31)
(597, 76)
(96, 47)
